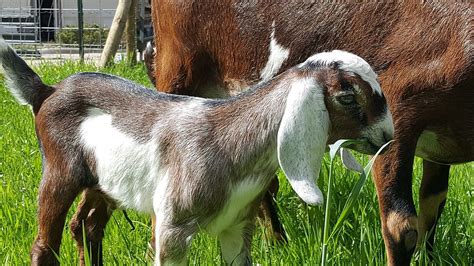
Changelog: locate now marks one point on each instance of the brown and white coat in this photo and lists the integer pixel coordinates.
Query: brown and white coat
(194, 163)
(422, 50)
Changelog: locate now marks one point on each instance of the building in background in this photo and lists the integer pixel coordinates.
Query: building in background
(41, 21)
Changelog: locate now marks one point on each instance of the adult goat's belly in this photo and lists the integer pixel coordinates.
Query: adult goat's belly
(446, 146)
(127, 171)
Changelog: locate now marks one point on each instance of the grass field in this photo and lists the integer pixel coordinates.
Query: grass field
(359, 242)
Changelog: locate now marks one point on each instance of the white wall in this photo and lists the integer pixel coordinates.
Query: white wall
(99, 12)
(14, 3)
(15, 7)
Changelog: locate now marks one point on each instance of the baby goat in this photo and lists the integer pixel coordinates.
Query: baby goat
(194, 163)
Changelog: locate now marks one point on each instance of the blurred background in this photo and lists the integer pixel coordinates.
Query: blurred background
(50, 29)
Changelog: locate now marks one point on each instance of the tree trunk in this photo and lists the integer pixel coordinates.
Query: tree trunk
(115, 33)
(131, 34)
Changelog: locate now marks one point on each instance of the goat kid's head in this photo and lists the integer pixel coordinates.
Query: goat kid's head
(335, 95)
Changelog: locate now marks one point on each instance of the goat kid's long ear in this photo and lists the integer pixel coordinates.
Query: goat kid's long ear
(302, 138)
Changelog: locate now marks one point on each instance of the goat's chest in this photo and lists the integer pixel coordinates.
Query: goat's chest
(242, 200)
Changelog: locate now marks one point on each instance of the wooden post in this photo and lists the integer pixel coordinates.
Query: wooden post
(116, 32)
(131, 33)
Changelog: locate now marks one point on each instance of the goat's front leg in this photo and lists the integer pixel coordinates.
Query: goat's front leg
(56, 195)
(173, 238)
(94, 212)
(235, 243)
(393, 179)
(433, 190)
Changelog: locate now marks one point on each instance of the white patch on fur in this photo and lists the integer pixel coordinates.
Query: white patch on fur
(357, 89)
(191, 108)
(381, 129)
(241, 195)
(159, 207)
(16, 91)
(17, 86)
(127, 171)
(348, 62)
(278, 55)
(149, 46)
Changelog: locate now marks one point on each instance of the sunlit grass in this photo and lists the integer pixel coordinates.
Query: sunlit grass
(358, 241)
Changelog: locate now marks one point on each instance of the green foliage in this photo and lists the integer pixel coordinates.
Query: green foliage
(93, 34)
(358, 240)
(352, 197)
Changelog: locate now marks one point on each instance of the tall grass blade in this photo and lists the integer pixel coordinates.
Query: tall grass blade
(354, 195)
(334, 149)
(332, 154)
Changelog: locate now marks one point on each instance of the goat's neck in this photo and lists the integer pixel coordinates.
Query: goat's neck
(248, 125)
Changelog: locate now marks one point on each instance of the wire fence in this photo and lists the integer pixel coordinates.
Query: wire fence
(49, 29)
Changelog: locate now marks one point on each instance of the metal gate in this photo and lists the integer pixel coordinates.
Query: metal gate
(49, 28)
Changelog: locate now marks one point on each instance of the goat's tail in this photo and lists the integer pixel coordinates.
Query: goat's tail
(23, 83)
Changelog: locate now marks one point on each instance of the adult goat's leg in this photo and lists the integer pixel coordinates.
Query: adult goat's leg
(393, 179)
(433, 190)
(94, 212)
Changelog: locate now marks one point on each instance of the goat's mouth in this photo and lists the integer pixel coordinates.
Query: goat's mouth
(366, 146)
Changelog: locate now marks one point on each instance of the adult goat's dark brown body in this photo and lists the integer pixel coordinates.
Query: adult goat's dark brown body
(423, 53)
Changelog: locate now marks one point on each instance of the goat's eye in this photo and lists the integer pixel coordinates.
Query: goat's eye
(346, 99)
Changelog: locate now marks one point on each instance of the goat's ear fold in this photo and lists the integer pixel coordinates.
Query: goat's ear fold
(302, 138)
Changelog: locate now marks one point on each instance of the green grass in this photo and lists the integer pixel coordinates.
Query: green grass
(358, 242)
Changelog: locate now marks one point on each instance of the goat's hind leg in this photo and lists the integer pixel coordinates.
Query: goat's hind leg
(56, 194)
(433, 190)
(93, 212)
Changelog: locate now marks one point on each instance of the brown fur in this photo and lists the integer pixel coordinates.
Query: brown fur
(422, 52)
(433, 192)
